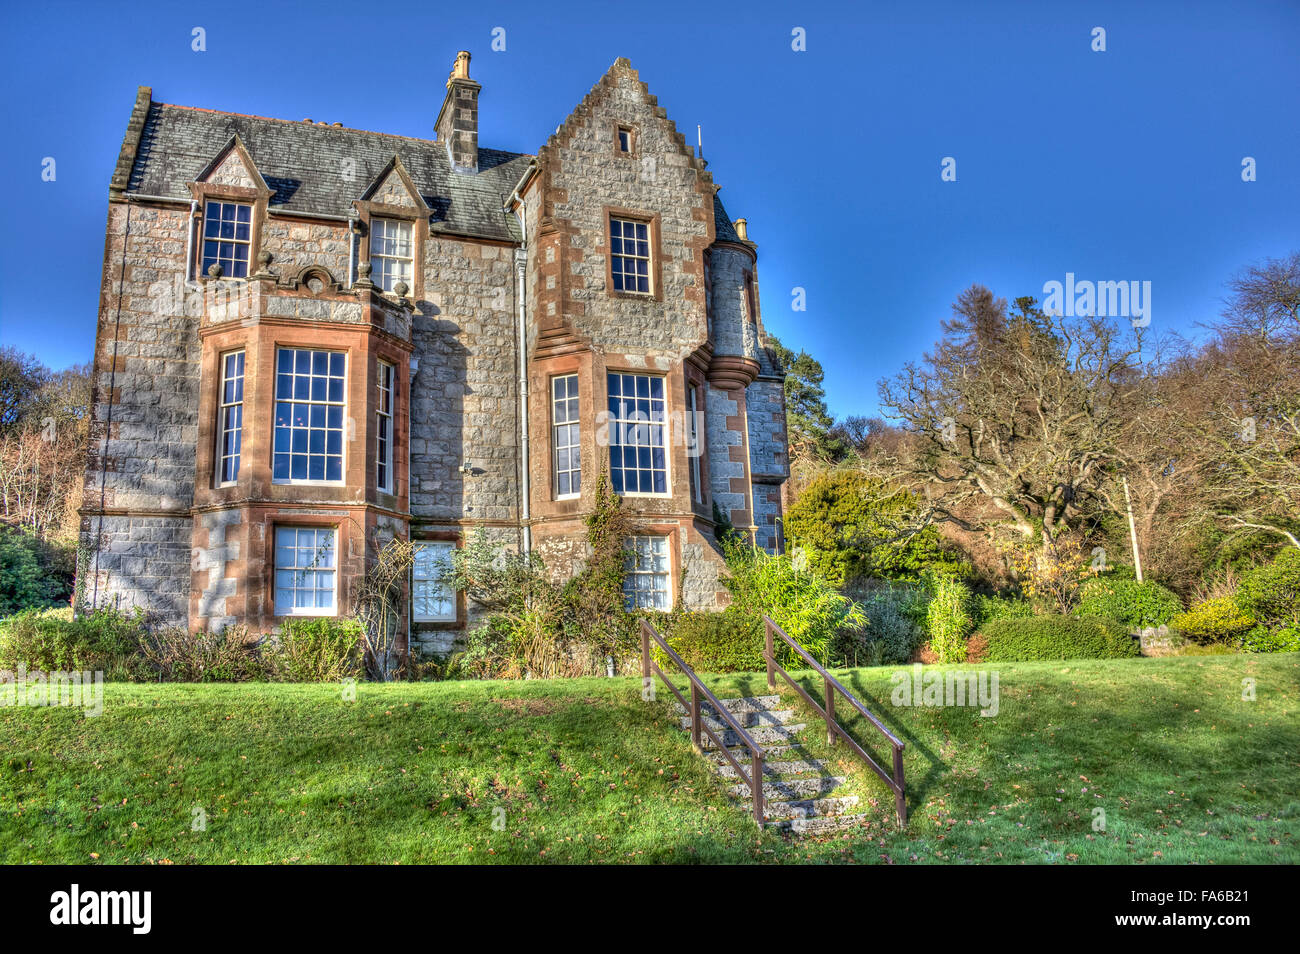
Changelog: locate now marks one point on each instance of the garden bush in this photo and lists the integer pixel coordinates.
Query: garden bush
(802, 602)
(894, 632)
(948, 620)
(106, 640)
(1135, 604)
(1261, 639)
(28, 578)
(174, 654)
(319, 649)
(730, 641)
(1271, 593)
(1057, 637)
(848, 527)
(1213, 621)
(988, 608)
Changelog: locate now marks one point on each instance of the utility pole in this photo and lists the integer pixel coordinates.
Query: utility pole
(1132, 531)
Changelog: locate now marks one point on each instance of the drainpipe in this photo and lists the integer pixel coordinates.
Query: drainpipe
(352, 253)
(521, 258)
(410, 582)
(189, 239)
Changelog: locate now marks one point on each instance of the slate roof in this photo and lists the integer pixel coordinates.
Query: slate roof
(726, 232)
(308, 166)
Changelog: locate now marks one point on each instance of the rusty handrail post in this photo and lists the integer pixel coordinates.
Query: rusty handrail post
(695, 714)
(900, 803)
(830, 710)
(767, 636)
(756, 785)
(645, 652)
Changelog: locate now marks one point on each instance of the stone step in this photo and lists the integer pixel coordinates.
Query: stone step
(819, 825)
(763, 734)
(741, 704)
(794, 789)
(749, 719)
(782, 769)
(741, 754)
(810, 808)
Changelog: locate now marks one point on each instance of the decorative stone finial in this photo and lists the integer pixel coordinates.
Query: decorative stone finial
(215, 270)
(742, 229)
(400, 289)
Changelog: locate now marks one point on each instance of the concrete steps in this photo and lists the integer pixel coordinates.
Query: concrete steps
(801, 795)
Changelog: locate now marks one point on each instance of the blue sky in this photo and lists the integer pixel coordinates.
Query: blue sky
(1115, 165)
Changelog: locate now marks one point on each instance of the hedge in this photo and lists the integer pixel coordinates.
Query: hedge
(1057, 637)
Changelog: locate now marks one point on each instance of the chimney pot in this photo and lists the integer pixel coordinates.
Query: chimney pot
(460, 69)
(742, 229)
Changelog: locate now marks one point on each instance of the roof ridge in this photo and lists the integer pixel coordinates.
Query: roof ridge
(315, 125)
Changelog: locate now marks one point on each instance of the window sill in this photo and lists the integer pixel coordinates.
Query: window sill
(293, 614)
(309, 483)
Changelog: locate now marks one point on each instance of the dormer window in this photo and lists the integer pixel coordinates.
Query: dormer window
(391, 258)
(227, 237)
(625, 140)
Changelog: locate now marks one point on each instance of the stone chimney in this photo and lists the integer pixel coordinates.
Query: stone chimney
(457, 124)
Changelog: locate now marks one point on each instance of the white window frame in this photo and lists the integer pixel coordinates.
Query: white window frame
(316, 569)
(227, 407)
(419, 577)
(621, 426)
(693, 441)
(635, 550)
(387, 268)
(238, 244)
(276, 401)
(384, 436)
(566, 412)
(633, 256)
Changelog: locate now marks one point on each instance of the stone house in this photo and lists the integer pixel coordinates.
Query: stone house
(312, 337)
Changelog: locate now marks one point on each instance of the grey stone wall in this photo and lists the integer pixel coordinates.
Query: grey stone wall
(659, 178)
(463, 397)
(295, 245)
(139, 561)
(718, 406)
(765, 402)
(147, 368)
(733, 331)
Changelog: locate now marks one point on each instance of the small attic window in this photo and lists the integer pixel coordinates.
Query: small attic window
(625, 139)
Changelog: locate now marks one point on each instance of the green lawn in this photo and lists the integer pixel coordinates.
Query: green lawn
(584, 771)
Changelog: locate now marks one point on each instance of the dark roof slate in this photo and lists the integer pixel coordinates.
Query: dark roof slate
(319, 169)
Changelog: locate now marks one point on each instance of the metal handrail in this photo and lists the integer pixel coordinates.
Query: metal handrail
(649, 668)
(834, 730)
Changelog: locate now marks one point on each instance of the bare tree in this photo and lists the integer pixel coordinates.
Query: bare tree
(380, 601)
(1015, 416)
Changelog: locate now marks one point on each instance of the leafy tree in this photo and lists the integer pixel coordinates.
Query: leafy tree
(850, 526)
(808, 420)
(25, 578)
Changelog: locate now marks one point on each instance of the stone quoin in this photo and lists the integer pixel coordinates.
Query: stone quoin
(312, 338)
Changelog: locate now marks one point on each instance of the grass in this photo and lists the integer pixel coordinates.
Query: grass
(584, 771)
